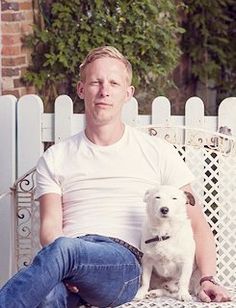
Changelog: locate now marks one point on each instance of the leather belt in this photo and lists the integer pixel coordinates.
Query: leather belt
(138, 254)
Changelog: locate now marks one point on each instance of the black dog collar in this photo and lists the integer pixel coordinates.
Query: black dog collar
(157, 239)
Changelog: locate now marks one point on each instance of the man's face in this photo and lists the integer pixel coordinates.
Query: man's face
(104, 90)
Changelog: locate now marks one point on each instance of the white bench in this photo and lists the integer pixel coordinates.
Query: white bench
(211, 157)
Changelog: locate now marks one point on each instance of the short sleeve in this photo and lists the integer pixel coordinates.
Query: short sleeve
(174, 170)
(46, 180)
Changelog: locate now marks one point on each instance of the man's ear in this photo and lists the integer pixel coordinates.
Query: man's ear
(132, 89)
(80, 89)
(129, 93)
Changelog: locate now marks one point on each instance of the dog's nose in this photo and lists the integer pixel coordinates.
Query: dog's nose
(164, 210)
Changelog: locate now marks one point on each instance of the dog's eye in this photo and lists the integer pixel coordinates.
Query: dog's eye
(174, 198)
(157, 197)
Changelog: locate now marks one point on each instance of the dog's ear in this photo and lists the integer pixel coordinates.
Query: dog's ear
(190, 198)
(148, 193)
(146, 196)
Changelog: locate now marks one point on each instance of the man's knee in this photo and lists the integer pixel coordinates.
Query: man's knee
(60, 257)
(62, 247)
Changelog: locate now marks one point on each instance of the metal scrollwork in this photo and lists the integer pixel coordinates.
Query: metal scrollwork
(27, 182)
(195, 137)
(24, 198)
(222, 144)
(166, 133)
(152, 131)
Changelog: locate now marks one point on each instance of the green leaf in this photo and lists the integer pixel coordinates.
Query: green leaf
(146, 31)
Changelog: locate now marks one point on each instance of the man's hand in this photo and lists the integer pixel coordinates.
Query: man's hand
(72, 288)
(213, 293)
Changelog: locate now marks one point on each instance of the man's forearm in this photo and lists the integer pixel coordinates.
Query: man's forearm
(49, 235)
(205, 251)
(50, 218)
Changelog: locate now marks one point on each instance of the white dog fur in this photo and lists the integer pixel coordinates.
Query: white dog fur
(167, 243)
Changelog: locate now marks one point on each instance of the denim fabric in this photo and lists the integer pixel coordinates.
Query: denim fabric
(106, 273)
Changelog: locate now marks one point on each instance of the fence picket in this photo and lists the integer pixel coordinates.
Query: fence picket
(194, 112)
(29, 141)
(130, 112)
(227, 114)
(161, 111)
(63, 117)
(194, 118)
(7, 178)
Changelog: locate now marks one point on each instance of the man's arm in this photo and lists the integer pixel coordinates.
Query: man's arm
(205, 252)
(51, 223)
(205, 244)
(50, 218)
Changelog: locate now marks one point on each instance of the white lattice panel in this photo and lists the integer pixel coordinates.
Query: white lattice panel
(215, 185)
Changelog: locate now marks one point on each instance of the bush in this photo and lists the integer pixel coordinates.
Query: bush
(210, 42)
(145, 31)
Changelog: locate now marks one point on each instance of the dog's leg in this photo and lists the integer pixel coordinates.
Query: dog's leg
(166, 288)
(184, 280)
(146, 277)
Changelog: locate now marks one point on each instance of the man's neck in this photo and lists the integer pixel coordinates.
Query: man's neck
(105, 134)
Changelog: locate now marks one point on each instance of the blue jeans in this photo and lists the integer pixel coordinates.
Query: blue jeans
(106, 274)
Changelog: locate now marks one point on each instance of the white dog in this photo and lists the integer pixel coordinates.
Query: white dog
(167, 243)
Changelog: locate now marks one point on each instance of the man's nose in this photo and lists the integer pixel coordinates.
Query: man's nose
(104, 89)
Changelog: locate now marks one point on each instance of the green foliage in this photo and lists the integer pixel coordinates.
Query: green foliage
(210, 42)
(145, 31)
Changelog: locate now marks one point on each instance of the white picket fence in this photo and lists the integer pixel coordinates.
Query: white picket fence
(24, 128)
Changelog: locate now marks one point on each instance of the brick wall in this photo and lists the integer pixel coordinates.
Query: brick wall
(16, 22)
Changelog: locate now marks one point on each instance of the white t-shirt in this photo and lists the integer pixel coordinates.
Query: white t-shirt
(102, 187)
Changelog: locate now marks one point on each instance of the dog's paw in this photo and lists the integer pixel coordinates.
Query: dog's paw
(154, 293)
(141, 294)
(184, 296)
(171, 286)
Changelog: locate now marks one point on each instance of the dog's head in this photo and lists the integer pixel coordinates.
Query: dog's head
(167, 202)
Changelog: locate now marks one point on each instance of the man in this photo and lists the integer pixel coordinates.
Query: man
(91, 189)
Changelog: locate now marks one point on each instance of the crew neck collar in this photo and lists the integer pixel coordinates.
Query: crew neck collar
(116, 144)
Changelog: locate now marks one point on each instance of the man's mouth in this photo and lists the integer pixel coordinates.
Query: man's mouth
(102, 104)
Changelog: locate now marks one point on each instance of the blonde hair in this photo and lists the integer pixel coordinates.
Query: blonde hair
(103, 52)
